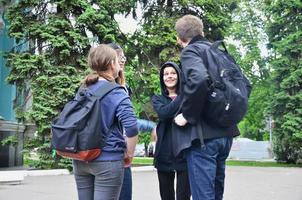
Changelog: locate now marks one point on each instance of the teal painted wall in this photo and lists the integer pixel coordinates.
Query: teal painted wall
(7, 92)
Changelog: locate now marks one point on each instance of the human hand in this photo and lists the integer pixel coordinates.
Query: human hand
(180, 120)
(127, 160)
(129, 153)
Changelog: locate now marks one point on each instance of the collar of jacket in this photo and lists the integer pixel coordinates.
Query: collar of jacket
(197, 38)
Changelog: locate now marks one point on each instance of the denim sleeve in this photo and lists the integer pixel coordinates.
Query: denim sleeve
(145, 125)
(126, 116)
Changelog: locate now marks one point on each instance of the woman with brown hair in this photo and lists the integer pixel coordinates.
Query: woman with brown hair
(142, 125)
(102, 178)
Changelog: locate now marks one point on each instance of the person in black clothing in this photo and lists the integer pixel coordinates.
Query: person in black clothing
(166, 106)
(205, 156)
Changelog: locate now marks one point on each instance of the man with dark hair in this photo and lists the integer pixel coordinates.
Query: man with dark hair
(206, 156)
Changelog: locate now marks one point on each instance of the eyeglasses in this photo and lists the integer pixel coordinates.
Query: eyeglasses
(122, 59)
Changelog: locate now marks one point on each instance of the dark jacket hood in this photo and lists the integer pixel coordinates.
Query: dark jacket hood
(164, 92)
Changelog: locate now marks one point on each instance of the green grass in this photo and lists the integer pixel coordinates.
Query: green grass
(260, 164)
(139, 161)
(147, 161)
(142, 161)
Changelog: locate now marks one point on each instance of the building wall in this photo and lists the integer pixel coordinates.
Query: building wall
(10, 155)
(7, 91)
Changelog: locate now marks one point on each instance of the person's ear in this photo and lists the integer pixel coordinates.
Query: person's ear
(112, 64)
(181, 42)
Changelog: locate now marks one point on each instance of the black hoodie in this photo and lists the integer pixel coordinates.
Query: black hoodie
(166, 108)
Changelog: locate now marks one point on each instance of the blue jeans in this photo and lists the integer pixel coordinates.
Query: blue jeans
(206, 168)
(126, 192)
(99, 180)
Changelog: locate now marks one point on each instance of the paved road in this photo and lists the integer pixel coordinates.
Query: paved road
(242, 183)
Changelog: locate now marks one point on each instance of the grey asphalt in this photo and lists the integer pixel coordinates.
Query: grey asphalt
(242, 183)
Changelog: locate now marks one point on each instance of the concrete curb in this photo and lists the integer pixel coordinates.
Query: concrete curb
(143, 169)
(49, 172)
(11, 177)
(16, 177)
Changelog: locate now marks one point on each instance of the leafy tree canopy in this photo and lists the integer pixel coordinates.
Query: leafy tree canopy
(59, 34)
(284, 29)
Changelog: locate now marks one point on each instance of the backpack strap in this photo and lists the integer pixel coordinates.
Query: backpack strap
(105, 89)
(100, 92)
(218, 43)
(214, 80)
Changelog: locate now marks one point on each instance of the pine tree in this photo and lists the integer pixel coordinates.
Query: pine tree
(285, 34)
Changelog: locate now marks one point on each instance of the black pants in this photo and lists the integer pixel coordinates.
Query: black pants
(166, 185)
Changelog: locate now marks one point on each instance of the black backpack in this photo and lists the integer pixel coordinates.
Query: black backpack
(76, 133)
(227, 102)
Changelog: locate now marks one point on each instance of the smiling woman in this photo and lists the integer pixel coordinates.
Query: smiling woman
(168, 165)
(170, 78)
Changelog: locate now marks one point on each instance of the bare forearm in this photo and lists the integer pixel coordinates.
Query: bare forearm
(131, 143)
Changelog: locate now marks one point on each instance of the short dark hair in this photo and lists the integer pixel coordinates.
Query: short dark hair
(188, 27)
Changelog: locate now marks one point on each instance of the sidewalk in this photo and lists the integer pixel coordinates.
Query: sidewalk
(242, 183)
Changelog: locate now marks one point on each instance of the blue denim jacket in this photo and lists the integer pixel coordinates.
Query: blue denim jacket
(145, 125)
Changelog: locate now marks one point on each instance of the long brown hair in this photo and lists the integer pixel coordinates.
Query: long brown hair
(99, 60)
(121, 79)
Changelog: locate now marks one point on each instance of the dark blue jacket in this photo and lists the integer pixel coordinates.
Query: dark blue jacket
(116, 108)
